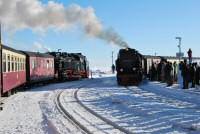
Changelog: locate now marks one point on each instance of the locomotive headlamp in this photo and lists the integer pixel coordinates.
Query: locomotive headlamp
(134, 69)
(121, 70)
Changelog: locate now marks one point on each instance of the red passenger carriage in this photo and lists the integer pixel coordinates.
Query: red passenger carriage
(39, 67)
(13, 72)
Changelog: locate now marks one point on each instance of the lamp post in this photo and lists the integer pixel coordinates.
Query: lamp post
(179, 46)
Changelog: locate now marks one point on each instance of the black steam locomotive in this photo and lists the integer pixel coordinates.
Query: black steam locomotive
(129, 66)
(70, 66)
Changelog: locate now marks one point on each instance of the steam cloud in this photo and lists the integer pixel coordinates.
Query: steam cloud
(40, 47)
(34, 15)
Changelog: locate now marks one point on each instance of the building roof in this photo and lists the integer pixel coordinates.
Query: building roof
(169, 57)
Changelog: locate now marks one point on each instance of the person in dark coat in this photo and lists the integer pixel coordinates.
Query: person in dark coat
(197, 75)
(168, 73)
(190, 55)
(113, 68)
(153, 72)
(175, 71)
(159, 71)
(185, 74)
(192, 74)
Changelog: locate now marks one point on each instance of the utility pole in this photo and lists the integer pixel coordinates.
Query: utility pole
(113, 66)
(179, 46)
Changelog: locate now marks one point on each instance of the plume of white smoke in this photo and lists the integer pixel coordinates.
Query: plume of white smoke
(40, 47)
(34, 15)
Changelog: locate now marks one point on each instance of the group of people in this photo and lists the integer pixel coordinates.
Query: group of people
(168, 72)
(164, 71)
(190, 73)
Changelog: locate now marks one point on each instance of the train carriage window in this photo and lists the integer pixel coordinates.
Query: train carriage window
(8, 62)
(4, 62)
(47, 64)
(18, 64)
(35, 63)
(52, 64)
(15, 63)
(21, 64)
(32, 64)
(12, 63)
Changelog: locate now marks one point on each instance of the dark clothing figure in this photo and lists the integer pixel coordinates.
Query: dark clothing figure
(175, 72)
(185, 74)
(190, 55)
(192, 74)
(197, 75)
(163, 75)
(159, 71)
(168, 74)
(153, 73)
(113, 68)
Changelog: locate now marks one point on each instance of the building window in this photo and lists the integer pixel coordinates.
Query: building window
(4, 62)
(8, 60)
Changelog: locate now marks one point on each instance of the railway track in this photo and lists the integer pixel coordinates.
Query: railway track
(121, 129)
(78, 124)
(68, 116)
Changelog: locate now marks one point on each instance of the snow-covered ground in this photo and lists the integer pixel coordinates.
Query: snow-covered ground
(149, 108)
(34, 112)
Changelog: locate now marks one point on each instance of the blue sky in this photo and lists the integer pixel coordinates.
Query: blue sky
(148, 25)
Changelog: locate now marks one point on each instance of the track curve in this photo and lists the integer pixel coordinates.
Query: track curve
(101, 117)
(69, 117)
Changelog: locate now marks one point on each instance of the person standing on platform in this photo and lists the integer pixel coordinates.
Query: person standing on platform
(192, 74)
(175, 71)
(197, 75)
(190, 56)
(113, 68)
(185, 74)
